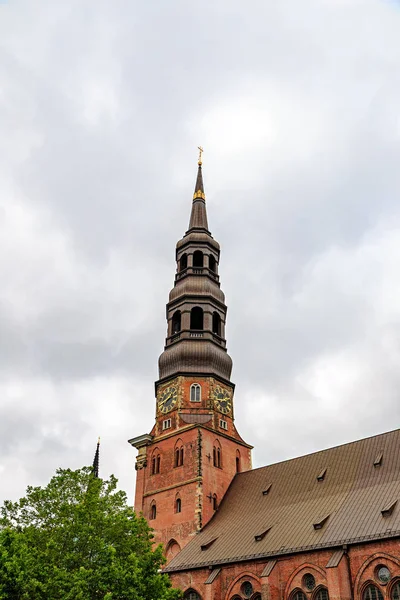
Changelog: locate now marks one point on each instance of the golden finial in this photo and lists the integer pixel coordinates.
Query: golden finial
(98, 440)
(200, 153)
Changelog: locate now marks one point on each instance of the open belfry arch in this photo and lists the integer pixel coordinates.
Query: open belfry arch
(325, 526)
(186, 463)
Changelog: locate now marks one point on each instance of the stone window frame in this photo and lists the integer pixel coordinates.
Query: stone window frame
(195, 392)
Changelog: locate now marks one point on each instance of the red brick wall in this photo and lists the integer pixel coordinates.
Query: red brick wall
(347, 581)
(217, 480)
(163, 488)
(198, 479)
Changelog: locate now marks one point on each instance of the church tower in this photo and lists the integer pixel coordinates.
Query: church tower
(186, 463)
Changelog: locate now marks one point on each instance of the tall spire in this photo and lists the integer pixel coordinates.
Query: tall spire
(198, 216)
(96, 460)
(196, 311)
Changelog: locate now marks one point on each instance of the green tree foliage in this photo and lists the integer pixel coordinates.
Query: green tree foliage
(77, 539)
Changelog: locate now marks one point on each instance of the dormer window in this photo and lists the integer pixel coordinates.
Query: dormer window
(195, 392)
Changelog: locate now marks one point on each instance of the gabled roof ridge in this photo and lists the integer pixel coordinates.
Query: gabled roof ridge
(287, 460)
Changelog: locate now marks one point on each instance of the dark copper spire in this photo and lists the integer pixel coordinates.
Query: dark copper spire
(198, 217)
(196, 311)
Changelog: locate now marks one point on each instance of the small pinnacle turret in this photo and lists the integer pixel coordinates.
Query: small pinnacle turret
(96, 459)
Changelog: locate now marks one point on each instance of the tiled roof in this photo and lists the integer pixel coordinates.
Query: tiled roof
(347, 503)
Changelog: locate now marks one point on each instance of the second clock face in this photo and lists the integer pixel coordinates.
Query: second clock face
(222, 400)
(167, 399)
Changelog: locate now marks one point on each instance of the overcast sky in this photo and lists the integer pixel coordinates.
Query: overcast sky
(102, 107)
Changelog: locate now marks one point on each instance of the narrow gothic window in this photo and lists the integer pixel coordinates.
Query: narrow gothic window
(191, 595)
(195, 392)
(237, 461)
(197, 258)
(196, 318)
(178, 505)
(214, 502)
(322, 594)
(176, 322)
(178, 456)
(216, 323)
(298, 595)
(153, 511)
(155, 464)
(183, 262)
(372, 592)
(217, 455)
(396, 591)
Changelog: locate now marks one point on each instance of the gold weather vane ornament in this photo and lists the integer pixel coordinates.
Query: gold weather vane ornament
(199, 193)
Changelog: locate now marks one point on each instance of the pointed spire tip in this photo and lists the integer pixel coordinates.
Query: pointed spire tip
(199, 189)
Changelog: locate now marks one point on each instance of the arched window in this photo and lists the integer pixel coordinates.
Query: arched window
(178, 454)
(322, 594)
(176, 322)
(178, 505)
(191, 595)
(195, 392)
(212, 263)
(298, 595)
(396, 591)
(238, 466)
(214, 502)
(216, 323)
(183, 262)
(155, 462)
(197, 258)
(172, 549)
(217, 455)
(372, 592)
(153, 510)
(196, 318)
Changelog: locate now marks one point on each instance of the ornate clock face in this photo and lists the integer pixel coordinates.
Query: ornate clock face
(222, 400)
(167, 399)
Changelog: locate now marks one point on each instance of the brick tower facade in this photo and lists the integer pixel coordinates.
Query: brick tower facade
(186, 463)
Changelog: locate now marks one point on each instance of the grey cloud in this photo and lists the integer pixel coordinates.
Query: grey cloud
(101, 111)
